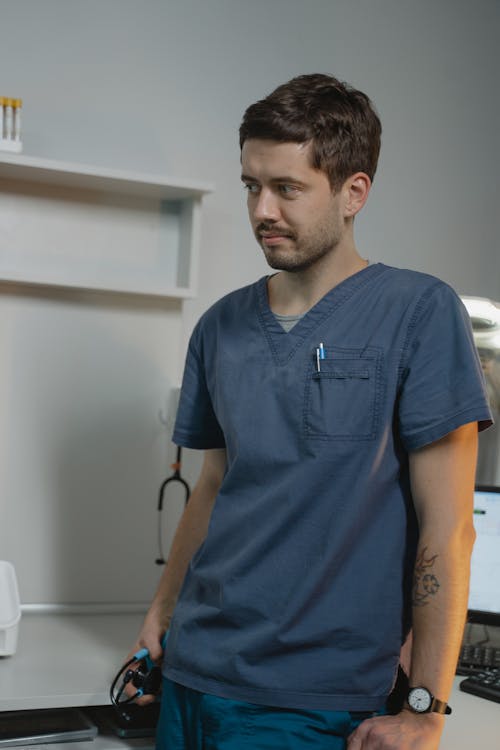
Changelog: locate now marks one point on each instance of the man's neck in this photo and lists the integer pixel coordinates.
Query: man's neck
(296, 293)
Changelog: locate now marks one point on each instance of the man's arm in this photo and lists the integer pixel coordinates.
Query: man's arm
(442, 482)
(190, 534)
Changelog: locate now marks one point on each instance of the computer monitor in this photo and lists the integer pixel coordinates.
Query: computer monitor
(484, 595)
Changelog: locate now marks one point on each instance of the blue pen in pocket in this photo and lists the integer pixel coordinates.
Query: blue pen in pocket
(320, 354)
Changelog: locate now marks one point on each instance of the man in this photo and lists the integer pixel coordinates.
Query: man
(338, 405)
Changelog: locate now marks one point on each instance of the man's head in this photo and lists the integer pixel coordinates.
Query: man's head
(338, 121)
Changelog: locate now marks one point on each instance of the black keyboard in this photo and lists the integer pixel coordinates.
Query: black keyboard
(475, 659)
(484, 684)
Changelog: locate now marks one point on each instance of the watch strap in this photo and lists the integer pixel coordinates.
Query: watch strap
(439, 707)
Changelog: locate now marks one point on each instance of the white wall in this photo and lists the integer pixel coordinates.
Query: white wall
(160, 86)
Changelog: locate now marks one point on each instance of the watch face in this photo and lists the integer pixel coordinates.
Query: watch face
(419, 699)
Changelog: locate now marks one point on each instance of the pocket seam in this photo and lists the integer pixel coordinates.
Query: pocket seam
(343, 374)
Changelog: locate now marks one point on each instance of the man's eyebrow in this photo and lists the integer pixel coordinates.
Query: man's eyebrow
(276, 180)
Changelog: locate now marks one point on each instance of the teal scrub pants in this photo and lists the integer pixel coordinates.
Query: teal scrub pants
(190, 720)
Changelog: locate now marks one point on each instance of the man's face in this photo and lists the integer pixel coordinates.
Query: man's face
(296, 218)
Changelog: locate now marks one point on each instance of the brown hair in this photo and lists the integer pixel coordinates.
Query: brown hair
(339, 121)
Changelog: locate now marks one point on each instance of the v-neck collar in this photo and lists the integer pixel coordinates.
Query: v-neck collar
(284, 344)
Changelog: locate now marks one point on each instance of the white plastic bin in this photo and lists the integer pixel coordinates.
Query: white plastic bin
(10, 609)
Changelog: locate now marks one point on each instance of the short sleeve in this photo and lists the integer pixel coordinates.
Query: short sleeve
(442, 383)
(196, 424)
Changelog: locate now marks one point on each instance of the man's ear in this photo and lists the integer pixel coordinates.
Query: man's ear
(355, 190)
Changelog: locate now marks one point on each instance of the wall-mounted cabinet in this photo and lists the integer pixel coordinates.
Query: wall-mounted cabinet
(74, 225)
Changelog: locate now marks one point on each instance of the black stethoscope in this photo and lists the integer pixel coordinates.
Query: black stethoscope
(176, 477)
(146, 678)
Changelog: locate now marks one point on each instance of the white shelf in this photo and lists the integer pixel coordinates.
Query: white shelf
(87, 227)
(86, 176)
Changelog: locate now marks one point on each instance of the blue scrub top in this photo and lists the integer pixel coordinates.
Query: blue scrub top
(300, 595)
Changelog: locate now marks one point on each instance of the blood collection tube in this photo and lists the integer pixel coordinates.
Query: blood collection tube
(2, 116)
(8, 119)
(18, 103)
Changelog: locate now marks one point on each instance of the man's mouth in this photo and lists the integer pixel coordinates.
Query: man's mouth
(274, 237)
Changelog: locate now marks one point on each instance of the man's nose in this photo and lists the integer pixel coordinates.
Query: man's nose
(266, 207)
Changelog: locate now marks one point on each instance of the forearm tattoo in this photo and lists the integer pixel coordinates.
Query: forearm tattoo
(425, 583)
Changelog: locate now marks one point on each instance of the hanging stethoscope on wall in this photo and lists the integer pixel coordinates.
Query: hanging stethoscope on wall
(176, 477)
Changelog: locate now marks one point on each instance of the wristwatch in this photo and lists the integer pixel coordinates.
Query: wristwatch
(421, 701)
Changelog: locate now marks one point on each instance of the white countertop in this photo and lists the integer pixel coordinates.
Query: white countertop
(68, 660)
(65, 659)
(474, 723)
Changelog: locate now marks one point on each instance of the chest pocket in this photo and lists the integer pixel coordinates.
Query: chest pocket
(342, 395)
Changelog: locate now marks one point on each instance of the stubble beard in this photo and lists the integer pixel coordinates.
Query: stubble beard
(302, 254)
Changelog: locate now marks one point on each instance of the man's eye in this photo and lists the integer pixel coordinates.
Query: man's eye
(288, 189)
(251, 187)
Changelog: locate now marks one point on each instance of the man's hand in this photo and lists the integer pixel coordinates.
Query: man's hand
(405, 731)
(150, 637)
